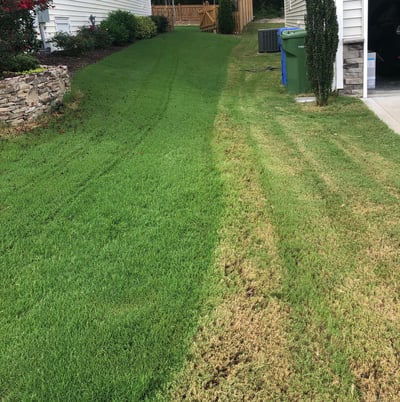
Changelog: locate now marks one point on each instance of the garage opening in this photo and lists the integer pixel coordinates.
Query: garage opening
(384, 40)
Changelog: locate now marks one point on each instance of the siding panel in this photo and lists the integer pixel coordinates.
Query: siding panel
(295, 11)
(352, 19)
(352, 16)
(78, 12)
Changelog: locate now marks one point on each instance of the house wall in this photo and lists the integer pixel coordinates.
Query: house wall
(295, 10)
(352, 19)
(353, 48)
(69, 15)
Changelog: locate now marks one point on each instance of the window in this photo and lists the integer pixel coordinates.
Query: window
(62, 25)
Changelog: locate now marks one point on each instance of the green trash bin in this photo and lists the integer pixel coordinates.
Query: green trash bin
(296, 70)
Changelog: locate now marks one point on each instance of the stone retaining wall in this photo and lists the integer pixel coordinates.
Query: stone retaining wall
(25, 97)
(353, 54)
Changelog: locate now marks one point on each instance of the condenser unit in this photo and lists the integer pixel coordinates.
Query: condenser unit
(268, 40)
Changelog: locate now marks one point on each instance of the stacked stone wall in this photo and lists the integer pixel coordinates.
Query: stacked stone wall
(353, 65)
(25, 97)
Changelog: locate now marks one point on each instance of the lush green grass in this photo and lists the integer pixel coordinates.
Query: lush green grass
(107, 226)
(311, 238)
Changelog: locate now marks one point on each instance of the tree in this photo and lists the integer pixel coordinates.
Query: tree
(321, 46)
(267, 8)
(226, 23)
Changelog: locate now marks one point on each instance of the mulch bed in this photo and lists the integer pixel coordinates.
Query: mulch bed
(75, 63)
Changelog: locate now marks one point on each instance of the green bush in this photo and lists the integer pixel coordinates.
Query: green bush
(100, 36)
(146, 28)
(226, 23)
(121, 26)
(73, 45)
(161, 23)
(17, 36)
(19, 63)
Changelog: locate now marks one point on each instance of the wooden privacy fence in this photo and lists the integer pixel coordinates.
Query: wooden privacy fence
(243, 15)
(184, 14)
(205, 15)
(166, 11)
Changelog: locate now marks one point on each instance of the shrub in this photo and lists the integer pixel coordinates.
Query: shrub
(73, 45)
(226, 23)
(121, 26)
(25, 62)
(321, 46)
(20, 62)
(146, 28)
(98, 35)
(17, 32)
(161, 23)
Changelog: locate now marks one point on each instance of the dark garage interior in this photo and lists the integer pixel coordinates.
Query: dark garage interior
(384, 39)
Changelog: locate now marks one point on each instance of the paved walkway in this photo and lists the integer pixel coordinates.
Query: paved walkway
(387, 107)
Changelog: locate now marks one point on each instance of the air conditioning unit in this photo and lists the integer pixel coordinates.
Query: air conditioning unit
(268, 40)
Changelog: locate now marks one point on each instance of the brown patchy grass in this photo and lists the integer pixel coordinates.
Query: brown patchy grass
(368, 310)
(367, 304)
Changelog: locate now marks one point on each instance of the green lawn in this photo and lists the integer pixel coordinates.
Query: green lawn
(192, 233)
(108, 223)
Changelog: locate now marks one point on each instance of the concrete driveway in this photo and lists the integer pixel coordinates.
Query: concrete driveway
(387, 108)
(385, 103)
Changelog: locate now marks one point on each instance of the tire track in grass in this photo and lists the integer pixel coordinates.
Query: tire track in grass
(124, 152)
(60, 210)
(60, 163)
(119, 155)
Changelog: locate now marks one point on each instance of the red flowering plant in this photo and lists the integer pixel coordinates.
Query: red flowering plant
(17, 32)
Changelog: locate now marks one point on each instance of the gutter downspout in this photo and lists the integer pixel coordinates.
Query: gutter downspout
(339, 55)
(365, 35)
(42, 34)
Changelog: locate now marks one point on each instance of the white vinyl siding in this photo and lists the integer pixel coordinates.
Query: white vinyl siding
(294, 13)
(352, 16)
(352, 19)
(77, 13)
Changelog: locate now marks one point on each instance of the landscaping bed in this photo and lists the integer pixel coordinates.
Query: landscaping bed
(75, 63)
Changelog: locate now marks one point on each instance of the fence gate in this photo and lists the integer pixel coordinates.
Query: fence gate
(208, 17)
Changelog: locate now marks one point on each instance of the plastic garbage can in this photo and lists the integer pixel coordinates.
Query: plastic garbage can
(283, 54)
(293, 43)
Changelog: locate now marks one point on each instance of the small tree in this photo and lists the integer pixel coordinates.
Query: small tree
(226, 23)
(321, 46)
